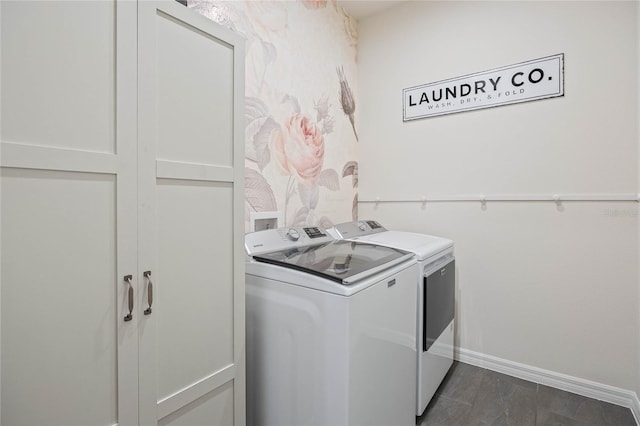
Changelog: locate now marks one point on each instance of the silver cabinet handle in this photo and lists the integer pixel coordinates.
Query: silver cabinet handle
(147, 275)
(128, 279)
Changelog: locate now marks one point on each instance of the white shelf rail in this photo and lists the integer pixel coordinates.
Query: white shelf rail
(484, 198)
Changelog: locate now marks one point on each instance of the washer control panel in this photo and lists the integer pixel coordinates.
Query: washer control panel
(284, 238)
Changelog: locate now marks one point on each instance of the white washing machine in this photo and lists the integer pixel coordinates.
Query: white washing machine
(331, 331)
(435, 297)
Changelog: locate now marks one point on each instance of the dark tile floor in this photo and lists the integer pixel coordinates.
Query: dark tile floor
(474, 396)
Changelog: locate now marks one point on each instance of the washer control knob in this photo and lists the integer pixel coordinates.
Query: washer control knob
(362, 226)
(293, 234)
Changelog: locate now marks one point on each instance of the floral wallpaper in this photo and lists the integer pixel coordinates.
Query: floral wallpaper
(301, 137)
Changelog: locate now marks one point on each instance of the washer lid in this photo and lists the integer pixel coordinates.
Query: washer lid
(342, 261)
(421, 244)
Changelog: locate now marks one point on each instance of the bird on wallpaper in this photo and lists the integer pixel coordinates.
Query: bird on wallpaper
(346, 99)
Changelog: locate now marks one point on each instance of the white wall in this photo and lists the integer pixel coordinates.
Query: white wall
(554, 287)
(638, 136)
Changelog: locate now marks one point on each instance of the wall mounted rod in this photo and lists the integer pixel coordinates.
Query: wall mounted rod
(483, 198)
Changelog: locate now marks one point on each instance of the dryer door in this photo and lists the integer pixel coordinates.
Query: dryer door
(439, 301)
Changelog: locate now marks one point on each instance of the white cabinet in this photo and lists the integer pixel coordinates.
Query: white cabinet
(121, 153)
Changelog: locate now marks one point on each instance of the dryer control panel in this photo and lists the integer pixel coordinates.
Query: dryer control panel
(284, 238)
(349, 230)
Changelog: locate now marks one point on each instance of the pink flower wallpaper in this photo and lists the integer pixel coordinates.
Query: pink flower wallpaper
(298, 147)
(300, 94)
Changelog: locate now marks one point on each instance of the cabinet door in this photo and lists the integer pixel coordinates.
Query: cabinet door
(68, 207)
(191, 217)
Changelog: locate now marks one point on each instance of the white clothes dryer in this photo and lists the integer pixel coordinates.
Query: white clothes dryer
(330, 340)
(435, 298)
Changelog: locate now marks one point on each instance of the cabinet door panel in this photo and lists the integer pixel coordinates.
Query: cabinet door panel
(59, 298)
(58, 70)
(195, 282)
(214, 408)
(195, 100)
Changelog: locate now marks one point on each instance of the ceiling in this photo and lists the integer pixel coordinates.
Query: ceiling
(362, 8)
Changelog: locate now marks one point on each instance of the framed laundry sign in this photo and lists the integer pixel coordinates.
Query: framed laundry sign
(527, 81)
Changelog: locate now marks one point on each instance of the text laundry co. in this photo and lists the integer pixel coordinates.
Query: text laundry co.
(527, 81)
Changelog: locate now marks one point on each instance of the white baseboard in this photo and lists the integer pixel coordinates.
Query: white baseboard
(564, 382)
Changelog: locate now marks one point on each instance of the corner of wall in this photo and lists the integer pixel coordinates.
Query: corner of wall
(579, 386)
